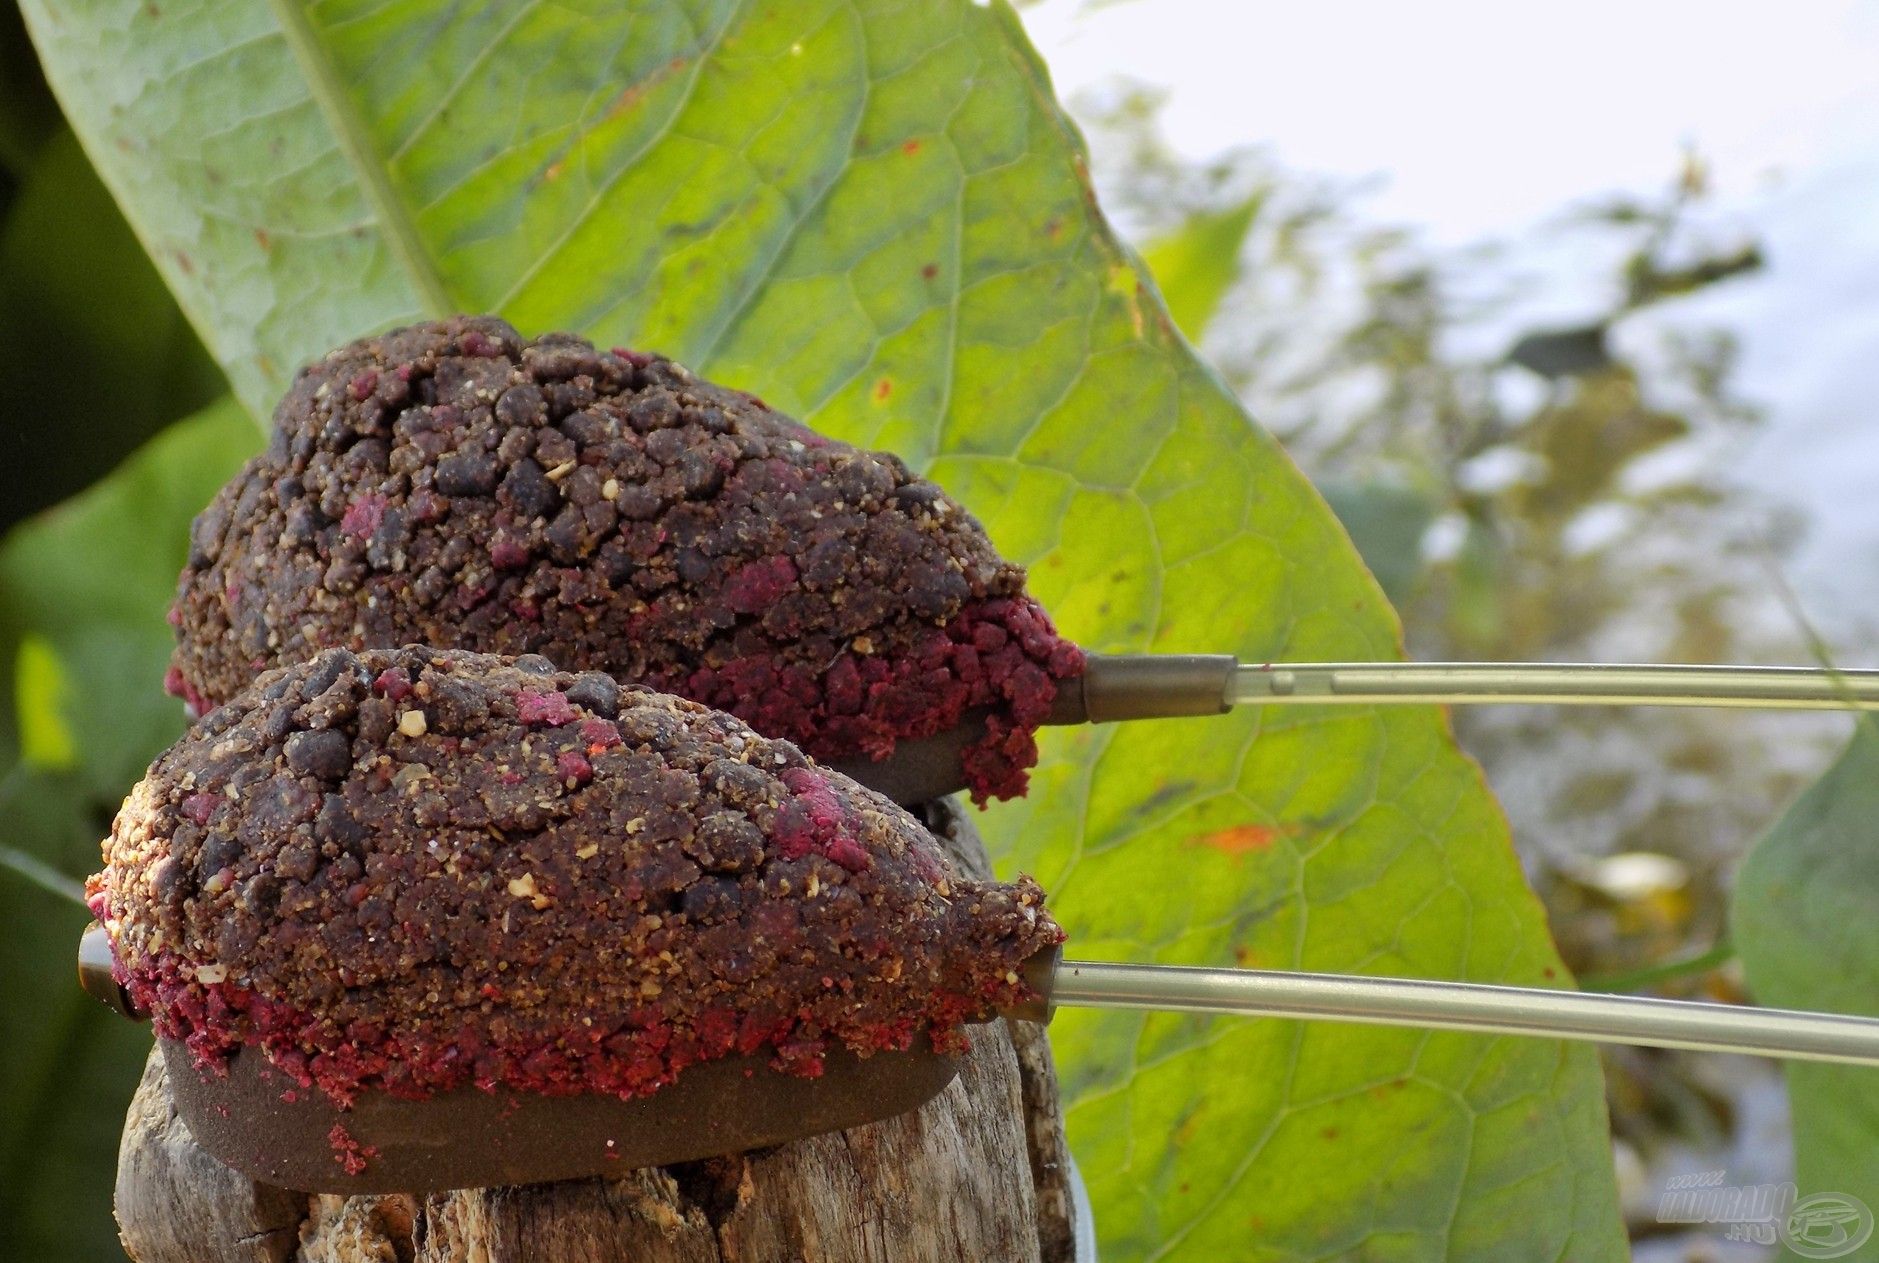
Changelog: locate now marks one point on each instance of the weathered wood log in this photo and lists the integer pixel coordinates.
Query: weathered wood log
(980, 1172)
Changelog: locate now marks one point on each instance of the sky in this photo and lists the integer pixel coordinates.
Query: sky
(1475, 120)
(1479, 113)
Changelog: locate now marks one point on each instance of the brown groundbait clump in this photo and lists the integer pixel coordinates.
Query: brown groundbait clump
(413, 870)
(454, 484)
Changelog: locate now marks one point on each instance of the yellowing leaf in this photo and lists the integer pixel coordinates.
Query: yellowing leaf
(39, 694)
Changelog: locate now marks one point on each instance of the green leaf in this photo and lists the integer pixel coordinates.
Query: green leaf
(1387, 523)
(876, 215)
(82, 594)
(1198, 262)
(1803, 924)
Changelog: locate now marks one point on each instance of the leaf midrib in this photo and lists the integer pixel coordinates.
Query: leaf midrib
(372, 173)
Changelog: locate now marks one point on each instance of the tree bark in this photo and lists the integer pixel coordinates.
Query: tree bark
(980, 1172)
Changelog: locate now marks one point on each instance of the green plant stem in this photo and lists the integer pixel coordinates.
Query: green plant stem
(1668, 971)
(42, 875)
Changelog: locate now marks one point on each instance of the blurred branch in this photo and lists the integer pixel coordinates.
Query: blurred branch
(41, 874)
(1651, 975)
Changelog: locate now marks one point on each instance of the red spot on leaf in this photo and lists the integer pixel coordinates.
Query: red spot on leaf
(910, 147)
(882, 389)
(1239, 839)
(626, 100)
(930, 271)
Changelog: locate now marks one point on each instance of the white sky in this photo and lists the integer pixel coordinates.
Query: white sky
(1487, 115)
(1484, 119)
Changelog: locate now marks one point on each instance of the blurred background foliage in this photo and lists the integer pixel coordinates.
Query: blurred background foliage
(77, 288)
(1536, 499)
(1528, 493)
(1533, 493)
(102, 365)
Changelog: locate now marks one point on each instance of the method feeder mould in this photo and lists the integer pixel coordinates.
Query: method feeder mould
(455, 484)
(415, 920)
(1116, 687)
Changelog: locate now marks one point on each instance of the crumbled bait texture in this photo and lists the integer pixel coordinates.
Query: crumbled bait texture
(550, 883)
(455, 485)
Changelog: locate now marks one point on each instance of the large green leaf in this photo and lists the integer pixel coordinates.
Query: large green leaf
(82, 645)
(1803, 924)
(876, 215)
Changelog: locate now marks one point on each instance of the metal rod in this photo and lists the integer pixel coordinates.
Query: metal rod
(1467, 1006)
(1567, 684)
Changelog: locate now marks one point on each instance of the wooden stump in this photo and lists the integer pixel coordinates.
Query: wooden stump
(980, 1172)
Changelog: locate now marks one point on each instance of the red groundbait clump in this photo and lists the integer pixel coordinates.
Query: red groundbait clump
(457, 485)
(414, 870)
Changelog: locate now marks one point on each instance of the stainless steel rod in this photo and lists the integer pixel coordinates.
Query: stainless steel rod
(1466, 1006)
(1561, 684)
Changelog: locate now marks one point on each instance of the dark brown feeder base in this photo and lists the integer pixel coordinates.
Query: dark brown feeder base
(980, 1171)
(475, 1139)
